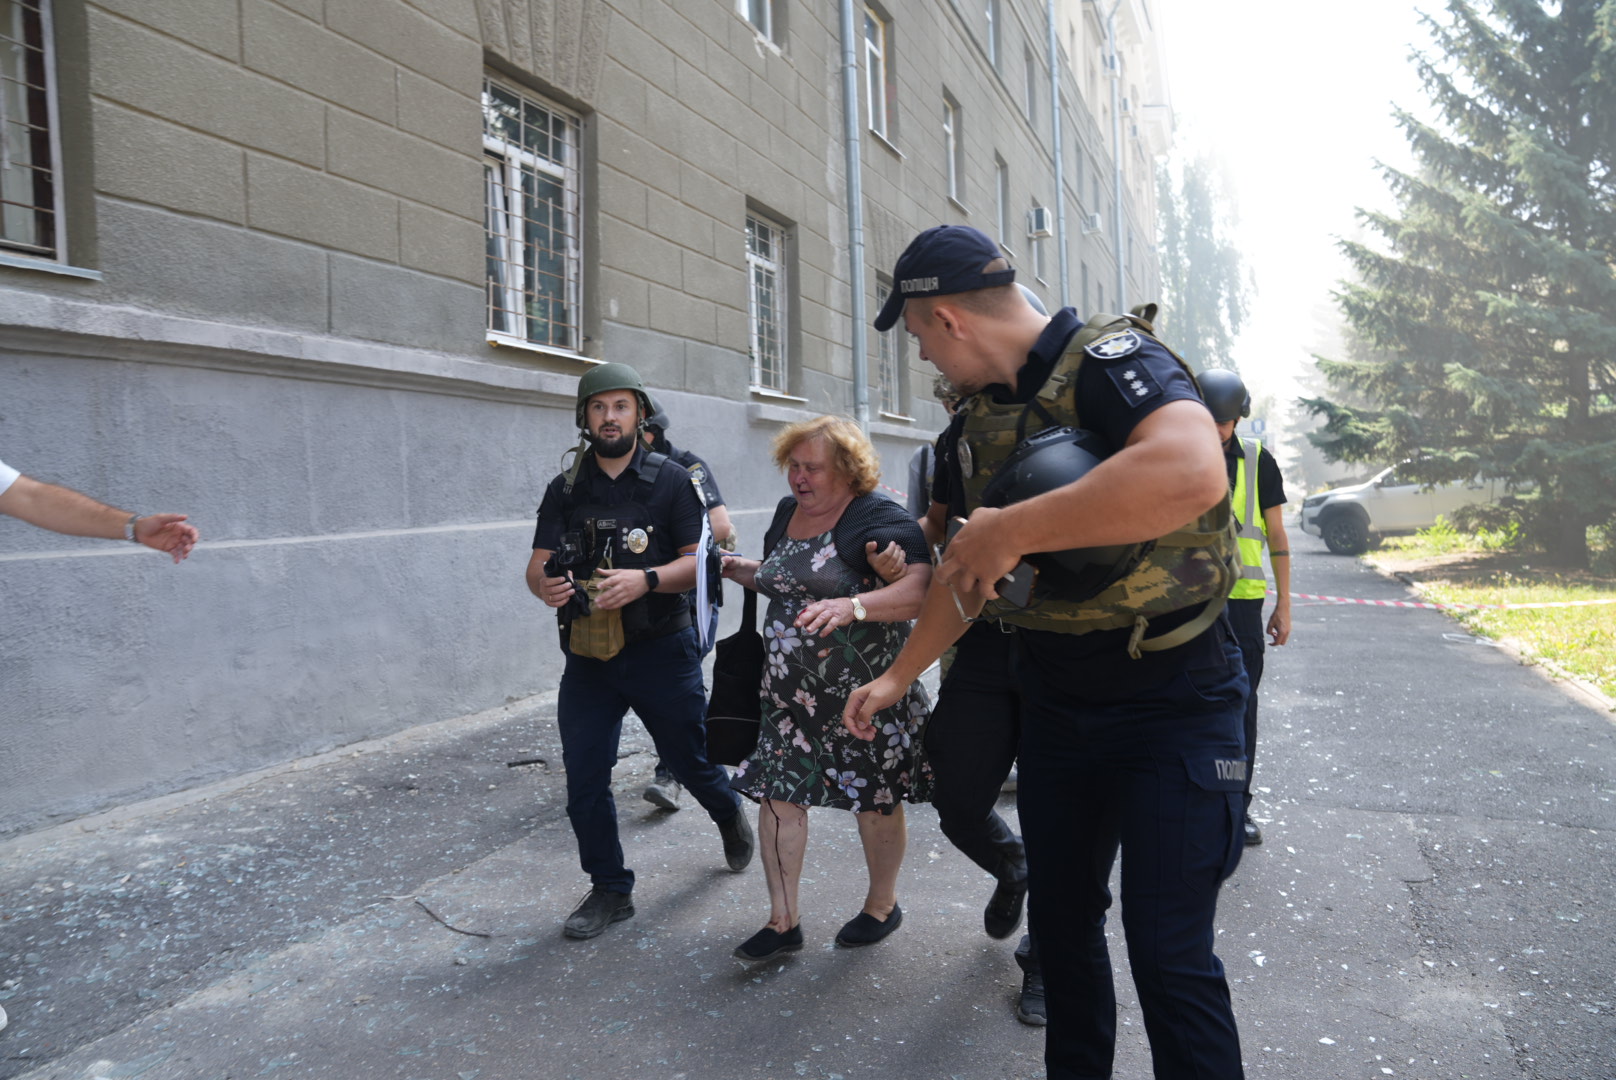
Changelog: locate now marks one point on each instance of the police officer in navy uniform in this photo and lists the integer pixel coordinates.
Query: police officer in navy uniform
(1259, 507)
(620, 526)
(1132, 697)
(663, 790)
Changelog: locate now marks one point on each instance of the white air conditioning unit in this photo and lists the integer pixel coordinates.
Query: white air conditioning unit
(1091, 224)
(1040, 222)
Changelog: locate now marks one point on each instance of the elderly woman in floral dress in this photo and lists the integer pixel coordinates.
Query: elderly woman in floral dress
(832, 625)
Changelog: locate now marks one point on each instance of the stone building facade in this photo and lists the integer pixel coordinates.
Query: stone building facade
(323, 274)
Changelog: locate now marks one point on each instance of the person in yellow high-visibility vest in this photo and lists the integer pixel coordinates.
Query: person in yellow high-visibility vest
(1259, 506)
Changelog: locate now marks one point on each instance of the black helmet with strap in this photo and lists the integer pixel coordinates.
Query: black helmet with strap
(1046, 461)
(1225, 394)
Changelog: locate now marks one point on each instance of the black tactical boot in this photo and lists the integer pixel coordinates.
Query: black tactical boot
(737, 834)
(599, 910)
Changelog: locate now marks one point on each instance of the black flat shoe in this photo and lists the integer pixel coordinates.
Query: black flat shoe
(866, 929)
(767, 943)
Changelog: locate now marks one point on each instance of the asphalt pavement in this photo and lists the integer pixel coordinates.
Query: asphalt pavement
(1432, 900)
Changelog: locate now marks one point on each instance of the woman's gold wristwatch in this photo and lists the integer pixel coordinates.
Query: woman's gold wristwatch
(858, 609)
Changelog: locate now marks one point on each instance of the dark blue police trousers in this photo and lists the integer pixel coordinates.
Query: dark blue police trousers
(1151, 767)
(971, 738)
(660, 679)
(1245, 616)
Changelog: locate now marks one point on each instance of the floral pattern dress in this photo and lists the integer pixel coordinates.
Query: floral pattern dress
(804, 755)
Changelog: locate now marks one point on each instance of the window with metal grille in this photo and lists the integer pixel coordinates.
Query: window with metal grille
(887, 358)
(534, 223)
(766, 301)
(30, 172)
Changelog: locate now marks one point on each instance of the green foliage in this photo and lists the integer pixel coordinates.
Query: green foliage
(1206, 291)
(1485, 312)
(1441, 538)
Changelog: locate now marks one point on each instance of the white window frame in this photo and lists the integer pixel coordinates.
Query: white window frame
(875, 71)
(759, 14)
(30, 251)
(992, 12)
(766, 333)
(507, 169)
(1032, 85)
(1001, 195)
(1037, 243)
(888, 377)
(951, 146)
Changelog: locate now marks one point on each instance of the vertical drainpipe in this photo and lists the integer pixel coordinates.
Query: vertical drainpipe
(1060, 155)
(855, 215)
(1116, 156)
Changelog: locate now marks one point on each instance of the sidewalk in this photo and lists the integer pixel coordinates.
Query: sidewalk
(1432, 900)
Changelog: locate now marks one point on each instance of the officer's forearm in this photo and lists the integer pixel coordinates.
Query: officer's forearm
(677, 576)
(1279, 552)
(938, 627)
(1282, 578)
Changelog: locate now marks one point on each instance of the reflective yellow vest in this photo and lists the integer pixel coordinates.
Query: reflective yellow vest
(1253, 538)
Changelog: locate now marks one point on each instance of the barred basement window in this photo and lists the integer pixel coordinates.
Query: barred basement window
(766, 301)
(534, 219)
(30, 150)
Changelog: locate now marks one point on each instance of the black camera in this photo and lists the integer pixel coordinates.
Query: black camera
(572, 560)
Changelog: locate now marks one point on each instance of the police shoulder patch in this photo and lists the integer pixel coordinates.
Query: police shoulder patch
(1114, 346)
(1135, 382)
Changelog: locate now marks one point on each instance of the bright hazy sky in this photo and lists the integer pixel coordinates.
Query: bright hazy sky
(1295, 98)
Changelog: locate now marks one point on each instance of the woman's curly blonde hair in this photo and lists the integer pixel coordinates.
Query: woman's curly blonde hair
(851, 452)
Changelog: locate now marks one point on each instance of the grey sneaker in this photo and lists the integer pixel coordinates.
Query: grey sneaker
(598, 910)
(663, 791)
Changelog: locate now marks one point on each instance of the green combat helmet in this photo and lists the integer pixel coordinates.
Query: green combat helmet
(598, 380)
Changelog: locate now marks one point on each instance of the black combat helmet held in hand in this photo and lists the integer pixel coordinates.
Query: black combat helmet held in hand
(1046, 461)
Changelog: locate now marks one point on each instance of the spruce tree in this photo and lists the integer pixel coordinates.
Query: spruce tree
(1488, 311)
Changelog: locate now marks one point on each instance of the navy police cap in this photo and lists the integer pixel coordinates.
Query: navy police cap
(941, 261)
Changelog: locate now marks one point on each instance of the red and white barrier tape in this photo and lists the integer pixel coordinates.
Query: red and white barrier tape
(1440, 607)
(1407, 603)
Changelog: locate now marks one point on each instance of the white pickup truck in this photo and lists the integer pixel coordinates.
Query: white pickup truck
(1388, 504)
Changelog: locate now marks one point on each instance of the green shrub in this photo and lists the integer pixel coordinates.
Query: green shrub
(1441, 538)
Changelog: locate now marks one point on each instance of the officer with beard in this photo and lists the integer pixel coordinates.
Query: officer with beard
(612, 554)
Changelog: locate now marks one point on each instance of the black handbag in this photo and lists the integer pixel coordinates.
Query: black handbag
(735, 709)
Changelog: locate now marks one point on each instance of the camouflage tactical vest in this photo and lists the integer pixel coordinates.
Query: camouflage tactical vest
(1196, 564)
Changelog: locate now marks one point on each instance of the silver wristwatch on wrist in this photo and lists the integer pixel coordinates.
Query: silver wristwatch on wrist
(129, 528)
